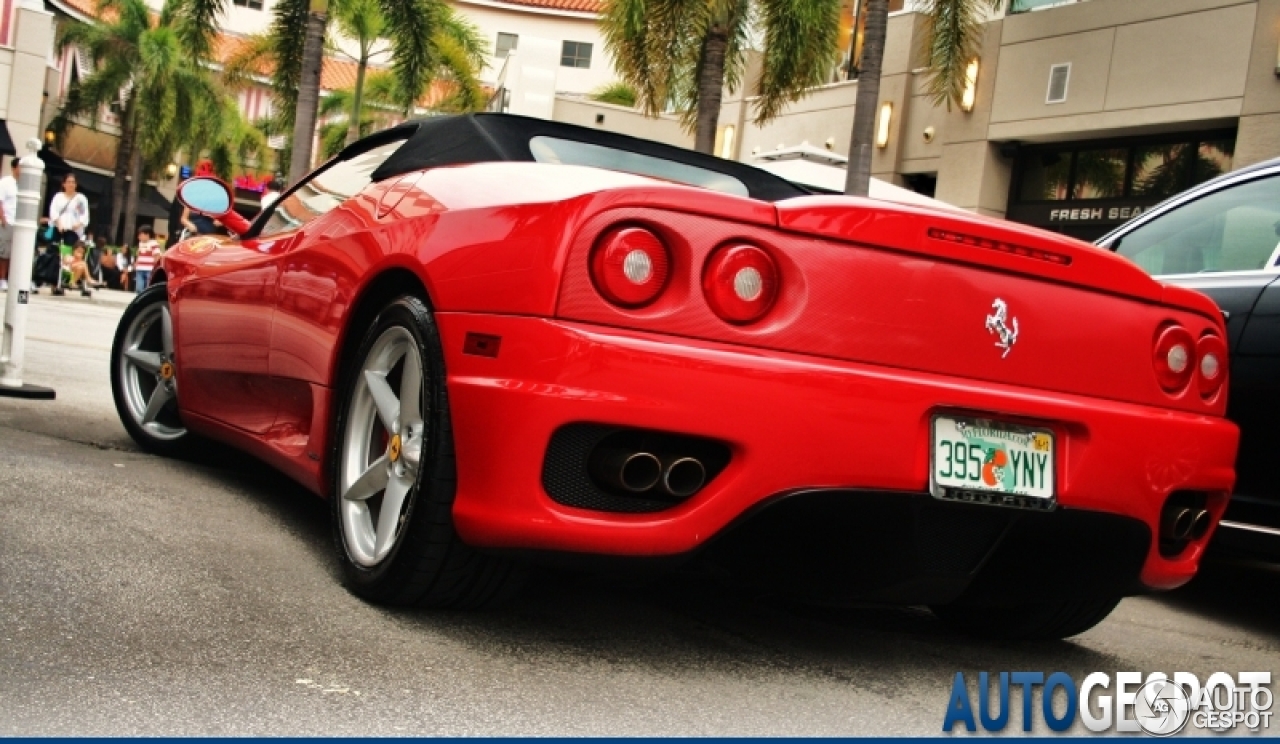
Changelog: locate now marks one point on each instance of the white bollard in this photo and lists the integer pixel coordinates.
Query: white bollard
(21, 255)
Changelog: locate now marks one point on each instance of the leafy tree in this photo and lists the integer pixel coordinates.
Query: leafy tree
(153, 68)
(687, 51)
(953, 38)
(427, 42)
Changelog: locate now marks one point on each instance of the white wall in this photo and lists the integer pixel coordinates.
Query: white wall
(555, 26)
(238, 20)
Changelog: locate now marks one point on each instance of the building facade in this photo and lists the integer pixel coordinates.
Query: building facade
(26, 45)
(1083, 112)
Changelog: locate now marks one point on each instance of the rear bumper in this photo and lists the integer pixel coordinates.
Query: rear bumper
(792, 422)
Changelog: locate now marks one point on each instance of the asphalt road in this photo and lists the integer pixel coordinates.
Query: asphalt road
(145, 596)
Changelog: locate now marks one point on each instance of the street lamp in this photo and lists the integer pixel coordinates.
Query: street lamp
(171, 170)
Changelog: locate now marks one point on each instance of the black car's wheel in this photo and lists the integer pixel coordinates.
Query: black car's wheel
(393, 474)
(144, 383)
(1031, 621)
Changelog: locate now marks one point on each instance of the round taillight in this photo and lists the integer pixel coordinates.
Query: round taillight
(740, 283)
(630, 266)
(1213, 364)
(1175, 358)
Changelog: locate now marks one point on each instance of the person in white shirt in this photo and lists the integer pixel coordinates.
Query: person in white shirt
(69, 211)
(8, 213)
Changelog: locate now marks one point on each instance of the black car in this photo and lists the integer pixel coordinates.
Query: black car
(1222, 238)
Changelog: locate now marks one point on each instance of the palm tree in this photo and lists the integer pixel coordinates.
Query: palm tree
(427, 41)
(687, 51)
(154, 69)
(377, 105)
(458, 45)
(953, 36)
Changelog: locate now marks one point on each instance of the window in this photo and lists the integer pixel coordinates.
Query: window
(325, 190)
(1045, 176)
(1100, 174)
(575, 54)
(505, 45)
(1137, 169)
(250, 4)
(1059, 76)
(569, 152)
(1234, 229)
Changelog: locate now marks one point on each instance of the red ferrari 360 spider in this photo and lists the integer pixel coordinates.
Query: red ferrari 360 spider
(487, 339)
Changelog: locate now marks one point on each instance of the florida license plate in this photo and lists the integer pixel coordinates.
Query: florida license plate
(993, 462)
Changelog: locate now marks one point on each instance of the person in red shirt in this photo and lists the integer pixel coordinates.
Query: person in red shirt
(145, 259)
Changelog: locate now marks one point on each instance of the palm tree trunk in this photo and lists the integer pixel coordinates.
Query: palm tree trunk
(858, 180)
(304, 125)
(120, 179)
(357, 101)
(710, 87)
(135, 188)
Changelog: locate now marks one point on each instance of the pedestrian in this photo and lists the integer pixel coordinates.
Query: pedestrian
(145, 258)
(8, 213)
(272, 193)
(69, 211)
(197, 223)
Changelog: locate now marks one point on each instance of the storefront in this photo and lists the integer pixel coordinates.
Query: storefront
(1085, 189)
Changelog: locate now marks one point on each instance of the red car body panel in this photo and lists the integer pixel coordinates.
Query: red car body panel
(878, 326)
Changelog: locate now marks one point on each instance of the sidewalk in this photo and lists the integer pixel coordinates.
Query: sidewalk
(114, 297)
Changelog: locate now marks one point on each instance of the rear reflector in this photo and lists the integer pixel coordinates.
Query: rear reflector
(481, 344)
(629, 266)
(1060, 259)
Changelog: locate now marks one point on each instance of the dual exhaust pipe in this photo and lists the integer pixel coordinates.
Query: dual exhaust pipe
(1186, 523)
(640, 472)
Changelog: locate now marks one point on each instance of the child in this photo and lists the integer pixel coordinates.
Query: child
(145, 259)
(77, 269)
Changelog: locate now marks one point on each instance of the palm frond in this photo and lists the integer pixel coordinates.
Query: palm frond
(466, 35)
(455, 66)
(618, 93)
(196, 22)
(952, 39)
(288, 36)
(249, 62)
(411, 26)
(801, 45)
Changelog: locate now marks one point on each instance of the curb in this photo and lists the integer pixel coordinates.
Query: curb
(109, 297)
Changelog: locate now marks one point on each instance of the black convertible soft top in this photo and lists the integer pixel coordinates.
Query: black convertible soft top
(488, 137)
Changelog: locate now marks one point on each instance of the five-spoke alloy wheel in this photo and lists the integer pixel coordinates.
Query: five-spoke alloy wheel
(393, 473)
(144, 381)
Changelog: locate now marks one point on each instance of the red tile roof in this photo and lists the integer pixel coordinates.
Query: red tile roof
(576, 6)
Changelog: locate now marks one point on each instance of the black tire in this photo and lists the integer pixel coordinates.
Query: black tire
(1041, 621)
(168, 436)
(428, 565)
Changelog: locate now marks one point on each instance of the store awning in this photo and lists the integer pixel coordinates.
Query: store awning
(6, 142)
(54, 165)
(151, 203)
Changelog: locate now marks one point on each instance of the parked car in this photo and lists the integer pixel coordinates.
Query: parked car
(1222, 238)
(488, 339)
